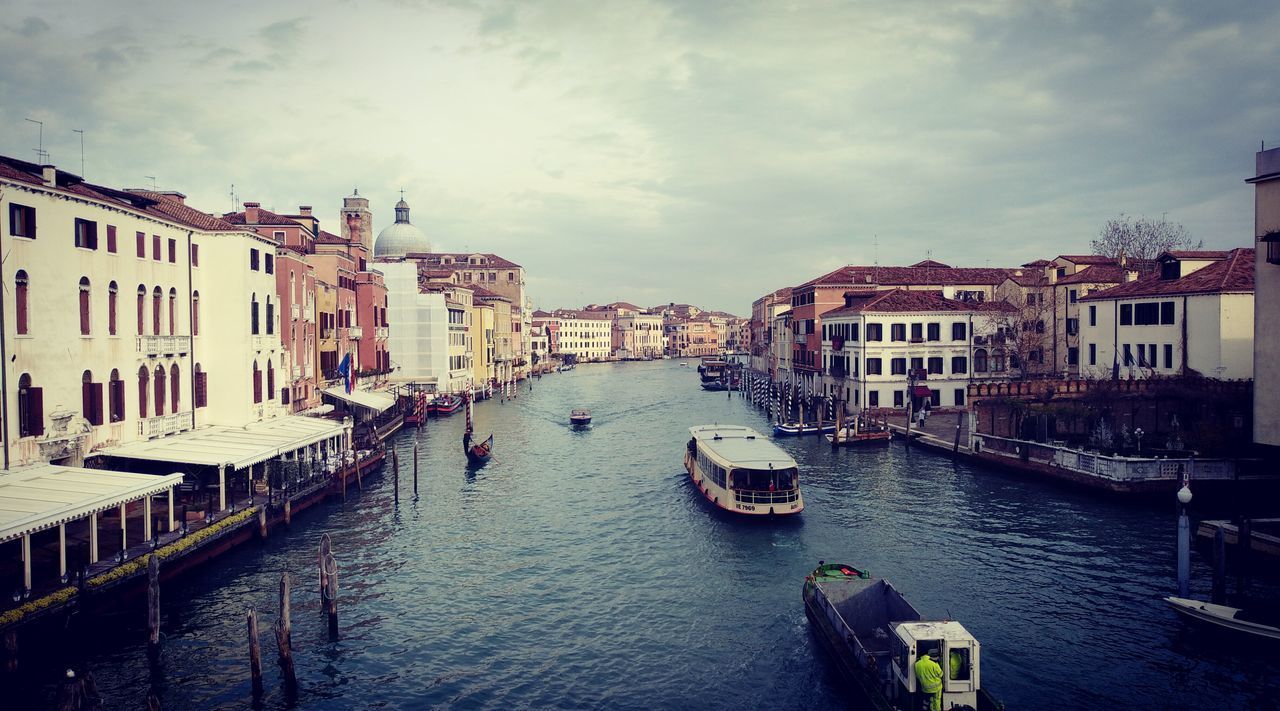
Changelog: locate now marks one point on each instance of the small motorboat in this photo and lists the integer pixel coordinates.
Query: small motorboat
(860, 434)
(446, 404)
(566, 367)
(715, 386)
(684, 364)
(1259, 622)
(796, 429)
(580, 418)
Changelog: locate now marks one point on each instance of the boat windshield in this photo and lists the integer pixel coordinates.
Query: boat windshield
(765, 479)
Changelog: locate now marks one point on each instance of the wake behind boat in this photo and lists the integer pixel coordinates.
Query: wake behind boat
(739, 470)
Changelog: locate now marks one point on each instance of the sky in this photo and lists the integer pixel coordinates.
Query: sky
(698, 152)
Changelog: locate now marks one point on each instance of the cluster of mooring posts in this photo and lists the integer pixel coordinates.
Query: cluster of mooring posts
(1241, 553)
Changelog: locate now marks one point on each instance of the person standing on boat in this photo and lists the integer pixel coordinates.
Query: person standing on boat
(929, 675)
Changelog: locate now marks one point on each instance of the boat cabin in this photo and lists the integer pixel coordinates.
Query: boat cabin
(740, 470)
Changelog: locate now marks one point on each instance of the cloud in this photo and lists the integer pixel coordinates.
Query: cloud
(284, 32)
(31, 27)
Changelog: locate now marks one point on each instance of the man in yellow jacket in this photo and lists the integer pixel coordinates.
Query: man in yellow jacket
(929, 676)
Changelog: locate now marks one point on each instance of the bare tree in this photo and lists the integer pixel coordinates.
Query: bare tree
(1018, 334)
(1141, 237)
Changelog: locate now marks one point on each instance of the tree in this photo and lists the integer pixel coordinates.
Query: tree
(1141, 237)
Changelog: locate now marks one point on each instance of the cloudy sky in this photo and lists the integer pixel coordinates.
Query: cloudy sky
(704, 152)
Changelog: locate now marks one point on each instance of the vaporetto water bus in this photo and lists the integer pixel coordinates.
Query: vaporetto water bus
(739, 470)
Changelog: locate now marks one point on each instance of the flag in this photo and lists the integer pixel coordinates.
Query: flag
(344, 369)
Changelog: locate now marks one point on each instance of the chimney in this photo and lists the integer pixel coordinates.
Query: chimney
(175, 196)
(251, 212)
(50, 175)
(304, 210)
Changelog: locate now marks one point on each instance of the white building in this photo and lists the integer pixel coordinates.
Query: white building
(418, 326)
(873, 346)
(637, 335)
(585, 335)
(1193, 316)
(1266, 340)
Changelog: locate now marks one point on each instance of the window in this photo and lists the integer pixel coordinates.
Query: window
(22, 221)
(257, 383)
(142, 245)
(935, 398)
(115, 394)
(997, 361)
(935, 365)
(195, 255)
(959, 331)
(1146, 314)
(917, 332)
(144, 390)
(1170, 270)
(959, 364)
(1093, 315)
(873, 398)
(175, 387)
(253, 315)
(917, 365)
(1031, 299)
(195, 313)
(111, 239)
(1073, 355)
(959, 396)
(173, 311)
(30, 408)
(113, 298)
(271, 380)
(157, 297)
(86, 234)
(155, 247)
(897, 398)
(873, 366)
(173, 251)
(875, 332)
(1126, 314)
(1166, 313)
(1040, 326)
(90, 399)
(1128, 354)
(202, 387)
(271, 316)
(253, 259)
(1093, 354)
(142, 300)
(84, 306)
(269, 263)
(898, 366)
(1273, 247)
(1168, 355)
(21, 297)
(1071, 295)
(933, 332)
(1073, 326)
(1151, 356)
(898, 332)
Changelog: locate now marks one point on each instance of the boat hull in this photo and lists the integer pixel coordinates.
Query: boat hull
(724, 500)
(790, 430)
(1221, 617)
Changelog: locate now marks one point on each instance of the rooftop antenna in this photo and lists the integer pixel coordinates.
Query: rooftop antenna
(153, 182)
(875, 255)
(40, 154)
(81, 132)
(235, 204)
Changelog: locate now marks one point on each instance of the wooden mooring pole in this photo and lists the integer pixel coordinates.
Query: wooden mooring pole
(415, 470)
(1219, 594)
(331, 593)
(395, 475)
(255, 655)
(10, 651)
(153, 607)
(284, 641)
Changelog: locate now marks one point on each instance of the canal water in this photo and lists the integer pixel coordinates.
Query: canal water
(581, 570)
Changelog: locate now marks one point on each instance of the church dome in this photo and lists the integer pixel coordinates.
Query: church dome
(401, 238)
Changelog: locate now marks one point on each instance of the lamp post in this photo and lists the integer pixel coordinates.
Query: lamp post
(1184, 541)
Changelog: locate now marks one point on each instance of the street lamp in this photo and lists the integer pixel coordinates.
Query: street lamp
(1184, 540)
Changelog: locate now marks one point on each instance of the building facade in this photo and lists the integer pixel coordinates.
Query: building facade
(1266, 341)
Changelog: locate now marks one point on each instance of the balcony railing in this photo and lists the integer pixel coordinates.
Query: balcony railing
(266, 342)
(152, 427)
(295, 310)
(766, 497)
(382, 332)
(355, 333)
(296, 372)
(309, 313)
(164, 345)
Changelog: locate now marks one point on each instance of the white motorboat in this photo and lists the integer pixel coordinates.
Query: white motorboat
(1263, 623)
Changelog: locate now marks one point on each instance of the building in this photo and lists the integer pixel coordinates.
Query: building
(637, 333)
(1195, 316)
(903, 348)
(763, 312)
(584, 335)
(1266, 338)
(417, 326)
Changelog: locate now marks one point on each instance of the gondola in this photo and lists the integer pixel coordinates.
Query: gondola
(476, 453)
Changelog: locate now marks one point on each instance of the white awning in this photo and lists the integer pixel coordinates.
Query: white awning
(317, 410)
(45, 495)
(237, 447)
(378, 402)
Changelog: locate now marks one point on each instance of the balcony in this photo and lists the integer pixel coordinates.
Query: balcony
(153, 346)
(382, 332)
(266, 342)
(296, 372)
(307, 371)
(355, 333)
(309, 314)
(294, 311)
(152, 427)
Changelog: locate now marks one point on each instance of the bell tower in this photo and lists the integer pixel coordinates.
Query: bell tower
(357, 221)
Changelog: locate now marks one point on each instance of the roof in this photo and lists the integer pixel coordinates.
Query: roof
(330, 238)
(581, 314)
(42, 496)
(1194, 254)
(237, 447)
(1234, 274)
(910, 276)
(932, 264)
(177, 210)
(741, 446)
(1088, 258)
(1029, 277)
(623, 305)
(460, 260)
(265, 217)
(483, 293)
(1097, 274)
(378, 402)
(897, 301)
(1038, 263)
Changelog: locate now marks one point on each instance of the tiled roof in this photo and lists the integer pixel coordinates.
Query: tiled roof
(623, 305)
(176, 210)
(542, 314)
(898, 301)
(330, 238)
(1234, 274)
(484, 293)
(460, 260)
(1029, 277)
(1087, 258)
(581, 314)
(1039, 263)
(1096, 274)
(265, 217)
(931, 263)
(1194, 254)
(910, 276)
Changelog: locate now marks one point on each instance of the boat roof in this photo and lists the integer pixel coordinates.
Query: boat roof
(937, 629)
(741, 446)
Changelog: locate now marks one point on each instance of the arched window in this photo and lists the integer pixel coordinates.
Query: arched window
(157, 296)
(142, 309)
(980, 360)
(997, 360)
(84, 306)
(173, 311)
(271, 380)
(271, 317)
(115, 393)
(144, 390)
(202, 387)
(159, 388)
(90, 399)
(175, 386)
(195, 313)
(253, 314)
(113, 293)
(21, 283)
(257, 383)
(30, 408)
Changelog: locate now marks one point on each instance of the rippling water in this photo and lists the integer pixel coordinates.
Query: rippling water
(579, 569)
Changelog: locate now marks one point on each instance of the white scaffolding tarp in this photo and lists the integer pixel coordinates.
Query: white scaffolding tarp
(42, 496)
(378, 402)
(237, 447)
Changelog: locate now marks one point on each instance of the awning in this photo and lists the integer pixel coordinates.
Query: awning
(921, 391)
(45, 495)
(317, 410)
(378, 402)
(238, 447)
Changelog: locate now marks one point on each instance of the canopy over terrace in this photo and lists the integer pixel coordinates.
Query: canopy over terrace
(234, 447)
(42, 496)
(377, 402)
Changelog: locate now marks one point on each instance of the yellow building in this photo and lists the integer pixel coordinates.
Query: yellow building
(482, 364)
